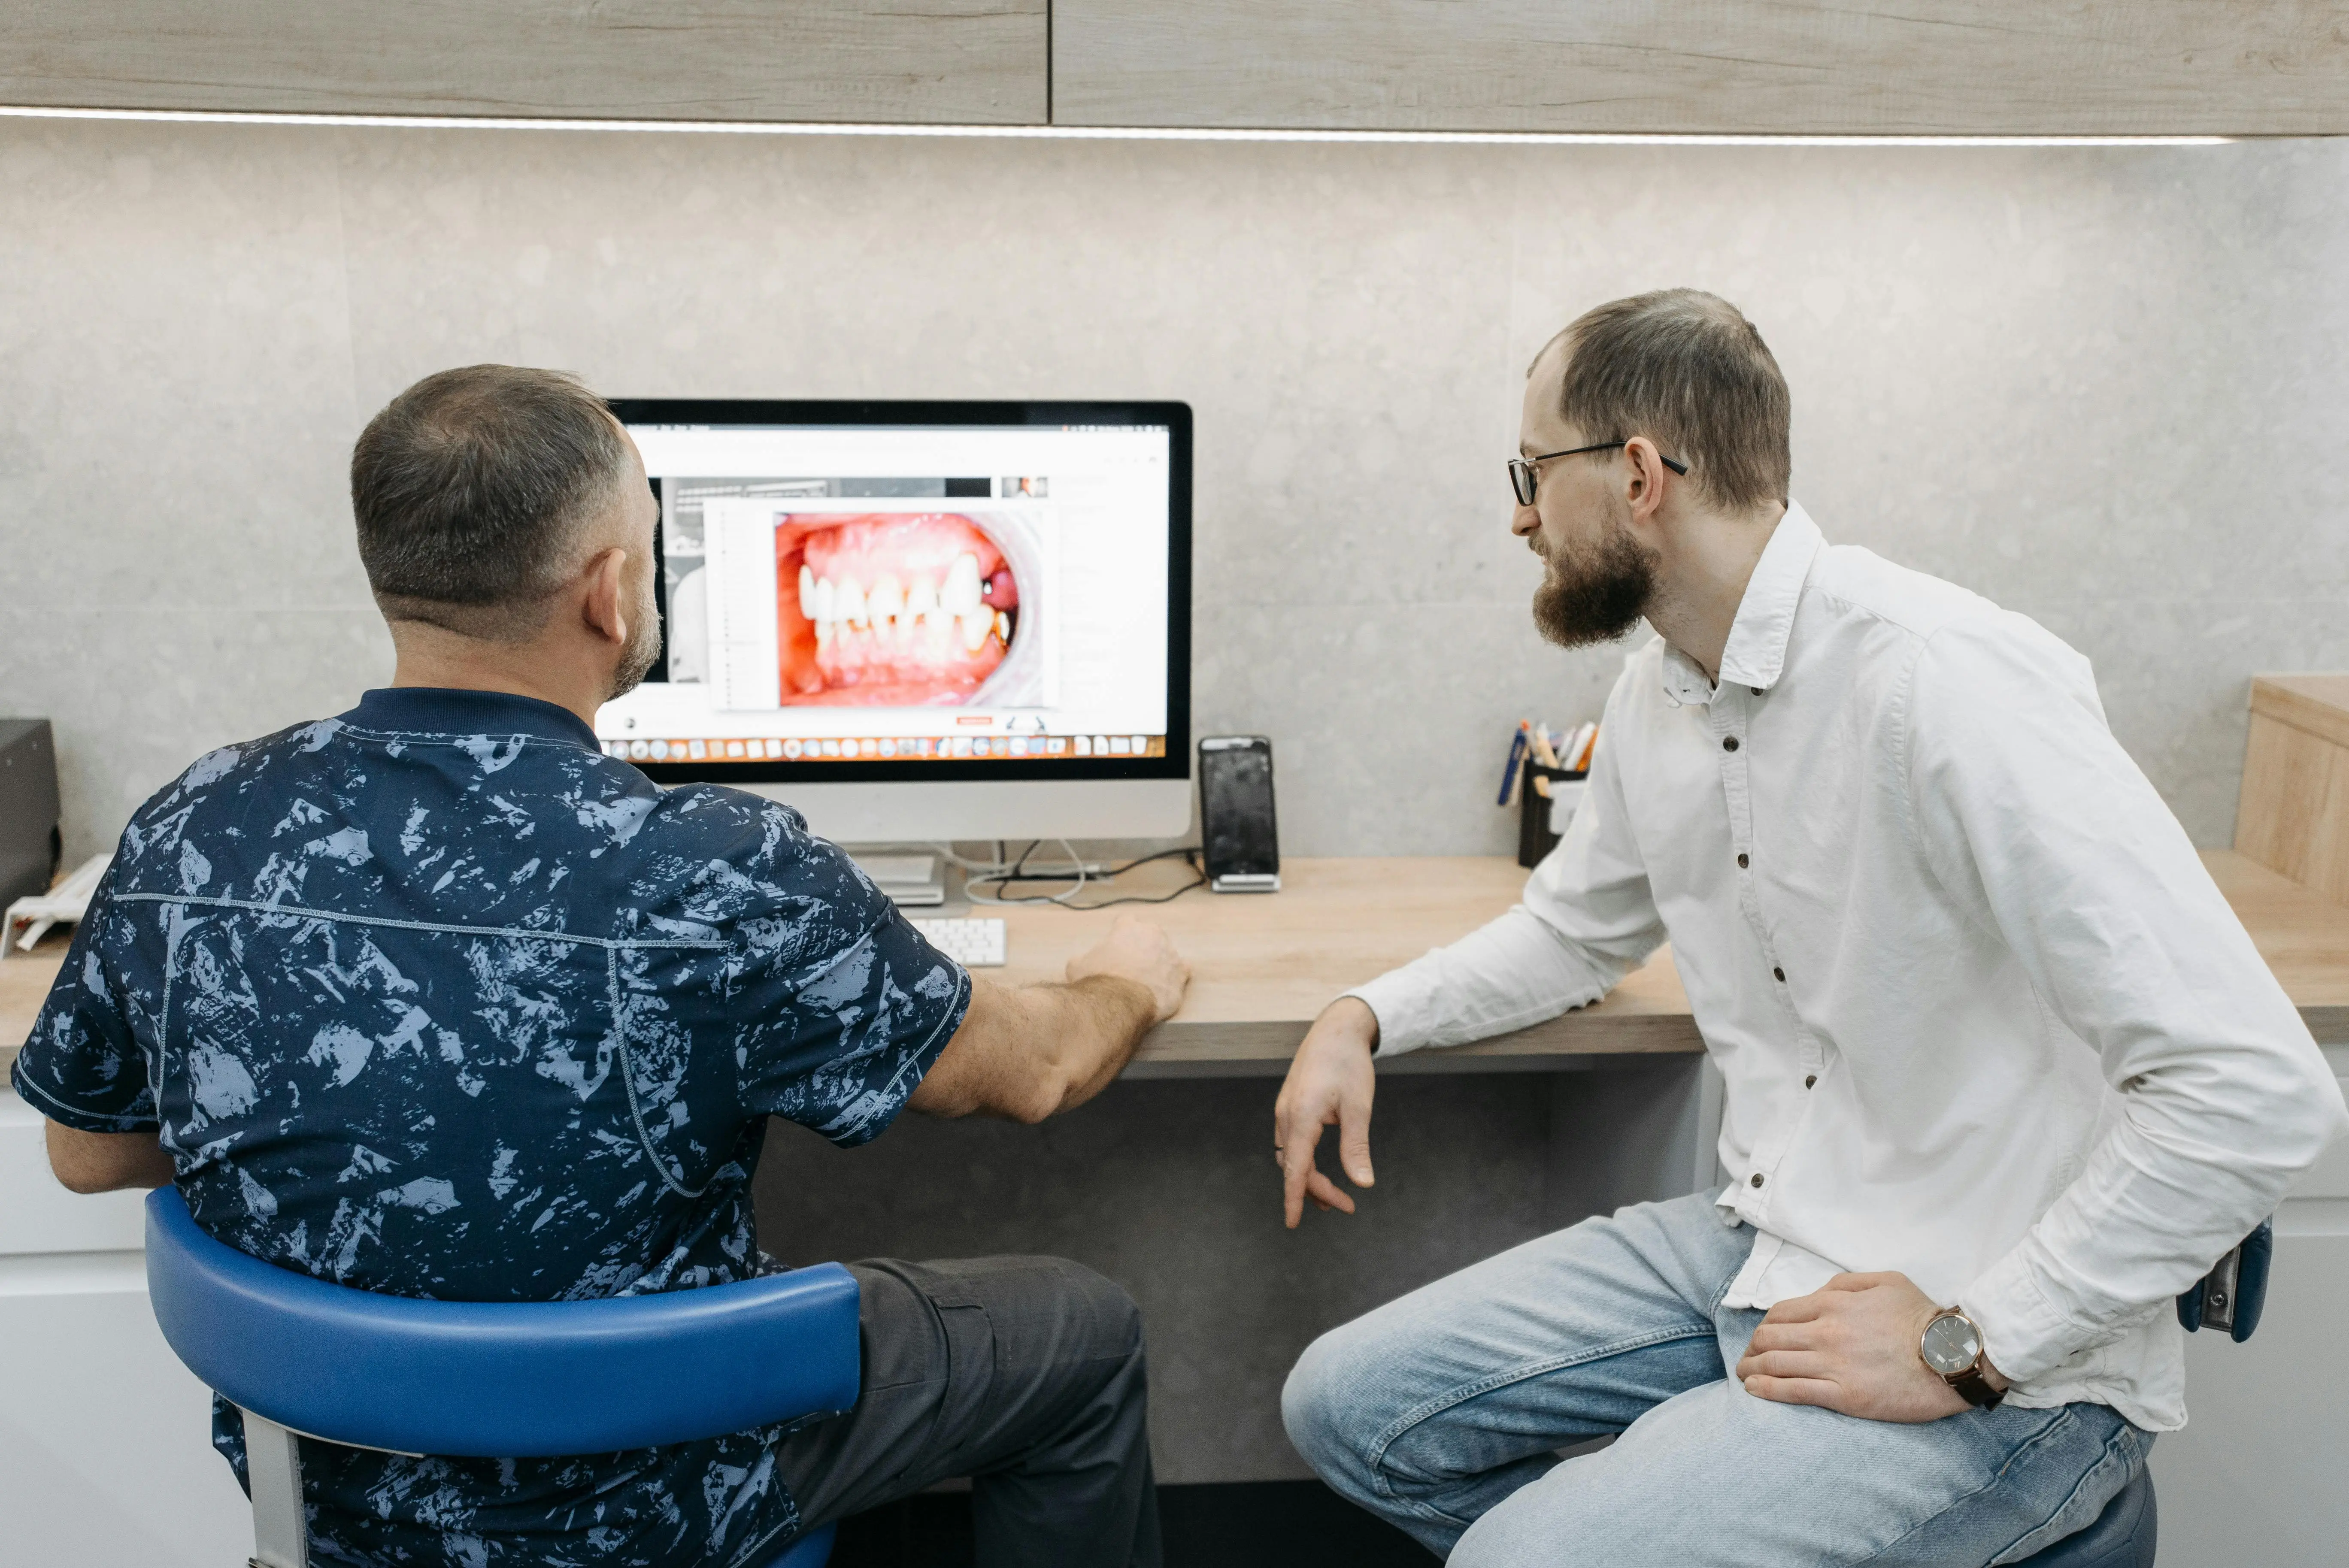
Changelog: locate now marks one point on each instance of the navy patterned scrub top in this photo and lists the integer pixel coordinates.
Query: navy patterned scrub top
(436, 999)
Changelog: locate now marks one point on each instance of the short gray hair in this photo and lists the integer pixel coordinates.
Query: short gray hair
(470, 490)
(1687, 370)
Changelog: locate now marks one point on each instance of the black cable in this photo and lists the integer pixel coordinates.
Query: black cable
(1015, 874)
(1198, 880)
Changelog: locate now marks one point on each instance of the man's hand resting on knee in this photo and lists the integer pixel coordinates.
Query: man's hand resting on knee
(1331, 1080)
(1028, 1052)
(1852, 1347)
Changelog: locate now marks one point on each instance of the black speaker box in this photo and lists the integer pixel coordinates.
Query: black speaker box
(30, 843)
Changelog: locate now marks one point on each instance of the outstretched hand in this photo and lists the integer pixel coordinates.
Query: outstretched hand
(1852, 1347)
(1330, 1081)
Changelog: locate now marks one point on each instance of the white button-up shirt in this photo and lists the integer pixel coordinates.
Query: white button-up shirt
(1982, 1016)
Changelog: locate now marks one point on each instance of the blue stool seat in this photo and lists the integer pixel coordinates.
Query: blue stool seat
(490, 1379)
(2122, 1537)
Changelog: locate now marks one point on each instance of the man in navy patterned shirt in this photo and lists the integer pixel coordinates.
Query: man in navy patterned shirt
(434, 998)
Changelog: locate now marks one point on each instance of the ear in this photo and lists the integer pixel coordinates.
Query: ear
(1643, 488)
(604, 603)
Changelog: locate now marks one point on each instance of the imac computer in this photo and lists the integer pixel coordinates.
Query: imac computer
(922, 621)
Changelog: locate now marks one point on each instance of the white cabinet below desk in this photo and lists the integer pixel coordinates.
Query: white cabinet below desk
(105, 1457)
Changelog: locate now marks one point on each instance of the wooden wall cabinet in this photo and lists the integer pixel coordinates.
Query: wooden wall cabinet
(2226, 67)
(2232, 68)
(915, 62)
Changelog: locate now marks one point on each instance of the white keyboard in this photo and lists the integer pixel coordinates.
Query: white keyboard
(975, 943)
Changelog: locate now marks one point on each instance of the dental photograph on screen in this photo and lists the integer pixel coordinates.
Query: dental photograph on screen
(909, 610)
(902, 594)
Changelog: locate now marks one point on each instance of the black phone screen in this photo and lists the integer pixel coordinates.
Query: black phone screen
(1235, 816)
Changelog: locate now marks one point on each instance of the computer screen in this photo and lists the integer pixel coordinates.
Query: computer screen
(902, 591)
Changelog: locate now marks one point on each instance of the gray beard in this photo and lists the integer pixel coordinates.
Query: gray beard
(637, 659)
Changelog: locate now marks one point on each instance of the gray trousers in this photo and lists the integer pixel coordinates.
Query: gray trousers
(1025, 1375)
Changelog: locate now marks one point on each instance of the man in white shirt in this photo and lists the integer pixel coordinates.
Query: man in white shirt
(2005, 1074)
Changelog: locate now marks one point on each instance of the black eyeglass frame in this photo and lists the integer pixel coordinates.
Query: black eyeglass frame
(1525, 478)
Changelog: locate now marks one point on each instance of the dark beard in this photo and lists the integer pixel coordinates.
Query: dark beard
(1581, 602)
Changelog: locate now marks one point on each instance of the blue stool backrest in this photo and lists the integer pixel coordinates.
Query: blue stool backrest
(499, 1379)
(2235, 1292)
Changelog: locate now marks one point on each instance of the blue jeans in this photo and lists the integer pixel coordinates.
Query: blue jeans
(1441, 1413)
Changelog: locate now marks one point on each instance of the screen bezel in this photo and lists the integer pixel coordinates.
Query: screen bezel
(1175, 416)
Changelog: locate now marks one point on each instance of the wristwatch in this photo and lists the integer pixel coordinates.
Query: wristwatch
(1952, 1349)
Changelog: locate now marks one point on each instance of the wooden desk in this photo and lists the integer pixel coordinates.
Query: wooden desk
(1264, 964)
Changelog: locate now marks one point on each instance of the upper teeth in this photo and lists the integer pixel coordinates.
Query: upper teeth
(954, 607)
(959, 596)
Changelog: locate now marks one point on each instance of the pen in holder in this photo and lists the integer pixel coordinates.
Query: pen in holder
(1542, 817)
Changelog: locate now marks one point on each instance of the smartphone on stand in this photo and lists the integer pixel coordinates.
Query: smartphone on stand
(1240, 843)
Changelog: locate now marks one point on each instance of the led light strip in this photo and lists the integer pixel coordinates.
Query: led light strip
(1091, 132)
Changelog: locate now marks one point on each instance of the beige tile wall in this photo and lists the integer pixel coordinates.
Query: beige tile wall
(2104, 385)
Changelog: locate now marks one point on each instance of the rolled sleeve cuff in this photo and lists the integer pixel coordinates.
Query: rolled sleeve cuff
(1406, 1005)
(1403, 1005)
(2025, 1335)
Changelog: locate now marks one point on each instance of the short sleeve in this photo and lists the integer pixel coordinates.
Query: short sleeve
(81, 1066)
(838, 1006)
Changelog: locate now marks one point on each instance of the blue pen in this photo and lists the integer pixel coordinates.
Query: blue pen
(1517, 747)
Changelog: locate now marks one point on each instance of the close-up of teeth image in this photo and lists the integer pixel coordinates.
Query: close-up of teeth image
(891, 610)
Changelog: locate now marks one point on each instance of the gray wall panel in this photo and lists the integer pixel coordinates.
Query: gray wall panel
(904, 61)
(2101, 386)
(1980, 67)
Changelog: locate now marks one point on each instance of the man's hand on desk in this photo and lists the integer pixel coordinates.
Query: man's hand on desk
(1028, 1052)
(1852, 1347)
(1138, 951)
(1331, 1080)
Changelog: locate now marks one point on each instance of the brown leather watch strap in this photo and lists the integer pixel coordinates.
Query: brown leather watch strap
(1975, 1389)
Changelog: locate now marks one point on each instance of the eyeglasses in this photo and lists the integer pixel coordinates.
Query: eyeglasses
(1524, 476)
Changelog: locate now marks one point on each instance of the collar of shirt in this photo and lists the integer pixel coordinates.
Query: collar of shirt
(1756, 650)
(448, 710)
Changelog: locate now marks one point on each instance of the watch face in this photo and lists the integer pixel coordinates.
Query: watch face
(1950, 1345)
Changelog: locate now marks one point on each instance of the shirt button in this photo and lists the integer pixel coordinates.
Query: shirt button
(1809, 1079)
(1729, 743)
(1741, 862)
(1755, 690)
(1757, 1178)
(1780, 974)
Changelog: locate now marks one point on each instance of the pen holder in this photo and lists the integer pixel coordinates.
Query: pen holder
(1535, 838)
